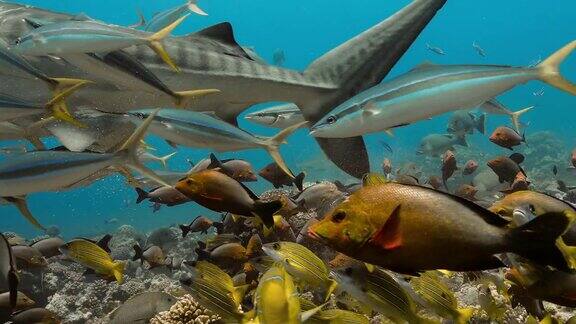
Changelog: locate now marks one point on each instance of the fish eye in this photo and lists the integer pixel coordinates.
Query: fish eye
(331, 119)
(348, 271)
(276, 246)
(189, 182)
(338, 217)
(532, 208)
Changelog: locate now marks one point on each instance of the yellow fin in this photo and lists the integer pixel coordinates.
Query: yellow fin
(369, 267)
(57, 105)
(515, 116)
(156, 45)
(569, 253)
(181, 97)
(464, 315)
(549, 69)
(272, 145)
(373, 179)
(118, 271)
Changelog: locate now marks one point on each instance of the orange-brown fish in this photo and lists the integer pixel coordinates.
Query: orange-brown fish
(507, 137)
(470, 167)
(274, 174)
(435, 181)
(520, 183)
(153, 255)
(466, 191)
(201, 224)
(387, 166)
(411, 228)
(219, 192)
(448, 166)
(506, 168)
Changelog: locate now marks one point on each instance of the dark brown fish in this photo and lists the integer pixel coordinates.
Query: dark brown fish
(49, 247)
(278, 178)
(218, 192)
(226, 254)
(8, 271)
(28, 257)
(162, 195)
(407, 179)
(520, 183)
(387, 166)
(507, 137)
(35, 315)
(470, 167)
(506, 168)
(435, 182)
(254, 246)
(153, 255)
(240, 170)
(448, 167)
(22, 301)
(466, 191)
(201, 224)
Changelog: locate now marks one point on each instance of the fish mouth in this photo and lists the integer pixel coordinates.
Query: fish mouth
(315, 236)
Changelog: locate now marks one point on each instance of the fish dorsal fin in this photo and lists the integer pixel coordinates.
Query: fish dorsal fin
(389, 237)
(224, 34)
(424, 66)
(373, 179)
(369, 267)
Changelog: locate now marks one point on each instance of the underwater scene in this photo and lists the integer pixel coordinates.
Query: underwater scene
(409, 161)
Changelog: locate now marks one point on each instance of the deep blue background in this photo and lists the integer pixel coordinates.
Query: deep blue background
(511, 32)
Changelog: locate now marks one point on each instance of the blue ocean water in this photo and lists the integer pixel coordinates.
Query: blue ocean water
(511, 32)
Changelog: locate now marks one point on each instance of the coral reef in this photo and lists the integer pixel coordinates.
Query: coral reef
(186, 310)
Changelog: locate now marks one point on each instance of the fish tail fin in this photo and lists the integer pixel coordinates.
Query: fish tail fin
(156, 45)
(185, 230)
(22, 206)
(536, 240)
(219, 226)
(138, 253)
(331, 287)
(272, 145)
(569, 253)
(118, 271)
(515, 116)
(481, 124)
(549, 69)
(182, 97)
(128, 152)
(164, 159)
(62, 89)
(464, 315)
(142, 195)
(266, 211)
(299, 181)
(193, 6)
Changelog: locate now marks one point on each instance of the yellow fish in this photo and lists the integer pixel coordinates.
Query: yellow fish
(94, 257)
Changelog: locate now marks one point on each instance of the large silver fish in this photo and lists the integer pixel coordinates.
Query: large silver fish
(42, 171)
(212, 59)
(430, 90)
(195, 129)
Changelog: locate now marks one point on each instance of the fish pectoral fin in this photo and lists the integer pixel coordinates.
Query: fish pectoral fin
(389, 236)
(369, 109)
(22, 205)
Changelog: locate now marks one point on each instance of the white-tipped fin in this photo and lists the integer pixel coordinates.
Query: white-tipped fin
(193, 6)
(515, 116)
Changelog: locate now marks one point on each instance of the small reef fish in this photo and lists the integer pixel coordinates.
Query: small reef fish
(163, 19)
(302, 264)
(8, 271)
(440, 297)
(217, 191)
(274, 174)
(506, 167)
(35, 315)
(165, 195)
(478, 49)
(281, 116)
(470, 167)
(28, 257)
(93, 257)
(495, 107)
(48, 247)
(399, 102)
(435, 49)
(153, 255)
(435, 182)
(437, 144)
(375, 288)
(507, 137)
(448, 167)
(466, 191)
(81, 37)
(142, 307)
(387, 166)
(464, 122)
(380, 220)
(22, 302)
(276, 299)
(201, 224)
